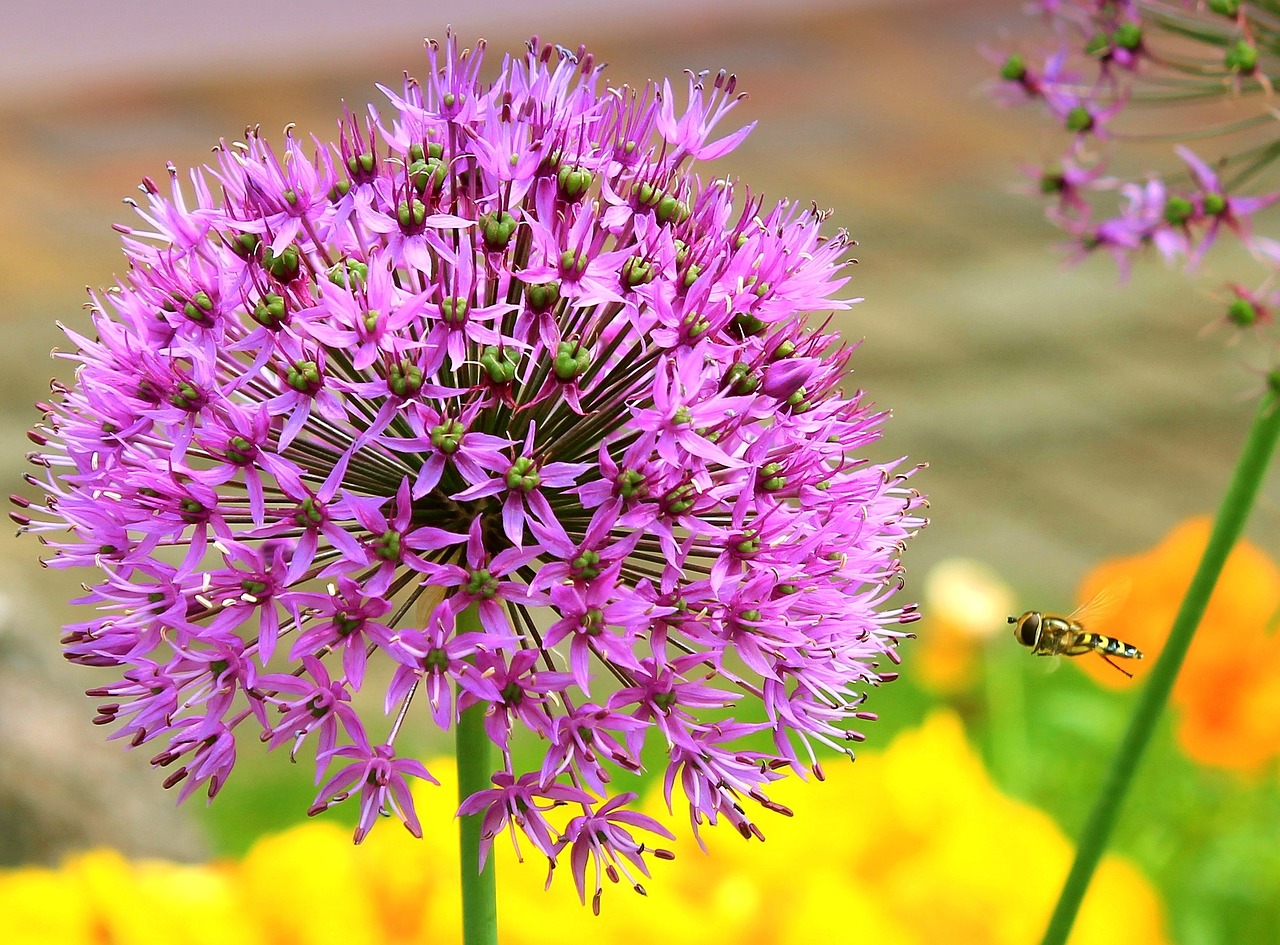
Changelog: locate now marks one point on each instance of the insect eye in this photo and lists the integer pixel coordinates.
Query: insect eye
(1028, 629)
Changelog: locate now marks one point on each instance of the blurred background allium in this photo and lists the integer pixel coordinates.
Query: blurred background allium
(1068, 423)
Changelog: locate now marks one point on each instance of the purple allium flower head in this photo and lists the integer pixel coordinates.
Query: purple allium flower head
(498, 395)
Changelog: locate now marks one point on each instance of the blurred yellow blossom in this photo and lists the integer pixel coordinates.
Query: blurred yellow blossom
(1228, 692)
(965, 602)
(915, 846)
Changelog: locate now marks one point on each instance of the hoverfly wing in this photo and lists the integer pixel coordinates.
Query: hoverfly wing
(1102, 604)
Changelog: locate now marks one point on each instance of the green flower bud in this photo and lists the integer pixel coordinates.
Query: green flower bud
(1214, 204)
(497, 228)
(199, 308)
(1242, 312)
(573, 182)
(1014, 69)
(1079, 120)
(404, 378)
(447, 436)
(741, 379)
(571, 360)
(1241, 57)
(1178, 210)
(284, 267)
(304, 377)
(270, 312)
(429, 174)
(573, 262)
(1127, 36)
(339, 190)
(349, 273)
(523, 475)
(636, 272)
(410, 215)
(240, 451)
(453, 310)
(631, 484)
(542, 297)
(387, 546)
(500, 363)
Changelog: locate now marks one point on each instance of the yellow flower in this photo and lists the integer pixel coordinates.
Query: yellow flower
(913, 846)
(1228, 692)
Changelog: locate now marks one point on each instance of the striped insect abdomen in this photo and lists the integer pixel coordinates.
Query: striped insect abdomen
(1110, 645)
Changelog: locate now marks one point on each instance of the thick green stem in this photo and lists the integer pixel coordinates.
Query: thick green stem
(479, 892)
(1235, 508)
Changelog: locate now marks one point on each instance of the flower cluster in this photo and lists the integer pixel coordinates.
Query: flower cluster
(1102, 62)
(923, 869)
(494, 391)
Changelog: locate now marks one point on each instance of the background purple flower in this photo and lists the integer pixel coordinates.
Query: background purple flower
(499, 329)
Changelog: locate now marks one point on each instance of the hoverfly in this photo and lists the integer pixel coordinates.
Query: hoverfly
(1055, 635)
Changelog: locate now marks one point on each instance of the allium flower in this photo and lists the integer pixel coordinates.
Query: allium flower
(497, 393)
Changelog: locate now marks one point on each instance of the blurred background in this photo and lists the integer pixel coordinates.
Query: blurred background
(1065, 418)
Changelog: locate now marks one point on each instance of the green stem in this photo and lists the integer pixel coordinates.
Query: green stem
(479, 892)
(1235, 508)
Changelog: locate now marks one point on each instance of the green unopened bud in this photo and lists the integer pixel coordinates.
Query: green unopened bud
(339, 190)
(497, 228)
(345, 624)
(270, 312)
(631, 484)
(1178, 210)
(1214, 204)
(289, 196)
(411, 214)
(747, 324)
(309, 513)
(427, 174)
(453, 310)
(1079, 120)
(387, 546)
(663, 701)
(304, 377)
(680, 499)
(192, 509)
(741, 379)
(370, 321)
(523, 475)
(1242, 312)
(691, 276)
(404, 378)
(1014, 69)
(586, 566)
(186, 396)
(199, 308)
(286, 266)
(573, 262)
(350, 273)
(571, 361)
(636, 271)
(359, 165)
(669, 208)
(245, 245)
(695, 325)
(447, 436)
(1241, 57)
(500, 363)
(798, 401)
(240, 451)
(784, 350)
(1229, 8)
(573, 182)
(542, 297)
(592, 622)
(253, 588)
(1127, 36)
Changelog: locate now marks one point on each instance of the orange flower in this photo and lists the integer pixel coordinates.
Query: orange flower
(1229, 688)
(966, 602)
